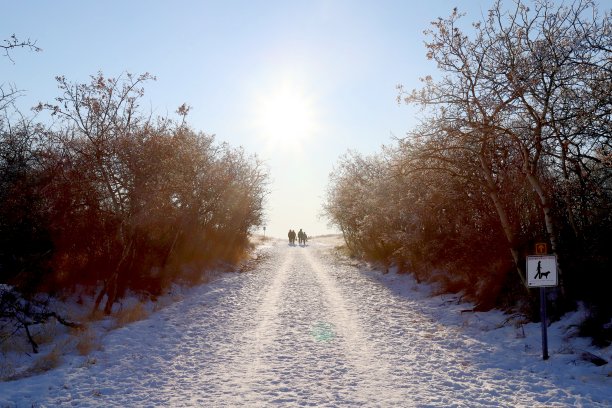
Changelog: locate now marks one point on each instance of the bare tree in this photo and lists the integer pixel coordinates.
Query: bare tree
(133, 195)
(93, 118)
(8, 92)
(513, 89)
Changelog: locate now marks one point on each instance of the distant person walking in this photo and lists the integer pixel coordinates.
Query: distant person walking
(300, 236)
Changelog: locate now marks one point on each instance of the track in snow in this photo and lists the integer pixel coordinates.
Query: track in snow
(300, 330)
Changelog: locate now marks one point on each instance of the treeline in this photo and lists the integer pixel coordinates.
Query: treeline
(106, 196)
(514, 148)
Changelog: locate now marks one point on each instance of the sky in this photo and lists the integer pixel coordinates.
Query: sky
(298, 83)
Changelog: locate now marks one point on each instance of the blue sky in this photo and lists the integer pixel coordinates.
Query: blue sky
(238, 62)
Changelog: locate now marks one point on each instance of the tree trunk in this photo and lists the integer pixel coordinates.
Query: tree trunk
(169, 253)
(100, 295)
(112, 295)
(503, 219)
(128, 253)
(566, 193)
(110, 285)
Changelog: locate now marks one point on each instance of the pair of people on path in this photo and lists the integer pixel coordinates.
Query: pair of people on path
(291, 236)
(302, 237)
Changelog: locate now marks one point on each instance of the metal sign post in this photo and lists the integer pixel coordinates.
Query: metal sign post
(542, 273)
(543, 324)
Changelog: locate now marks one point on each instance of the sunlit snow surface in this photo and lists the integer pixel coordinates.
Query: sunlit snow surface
(304, 329)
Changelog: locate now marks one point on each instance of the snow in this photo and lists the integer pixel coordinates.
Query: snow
(305, 328)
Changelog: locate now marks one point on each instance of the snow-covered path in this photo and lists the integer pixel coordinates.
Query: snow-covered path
(302, 329)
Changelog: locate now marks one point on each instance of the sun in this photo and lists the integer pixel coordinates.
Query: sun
(285, 118)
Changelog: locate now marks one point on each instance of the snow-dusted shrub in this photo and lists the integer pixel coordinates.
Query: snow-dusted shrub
(119, 200)
(513, 148)
(19, 314)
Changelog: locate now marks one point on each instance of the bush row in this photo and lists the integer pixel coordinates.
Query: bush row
(106, 196)
(514, 148)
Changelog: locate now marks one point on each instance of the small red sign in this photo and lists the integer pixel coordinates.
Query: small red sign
(541, 248)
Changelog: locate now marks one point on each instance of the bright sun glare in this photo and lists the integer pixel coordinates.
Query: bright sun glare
(286, 118)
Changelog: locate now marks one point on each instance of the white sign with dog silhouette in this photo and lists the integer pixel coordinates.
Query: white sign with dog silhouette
(541, 271)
